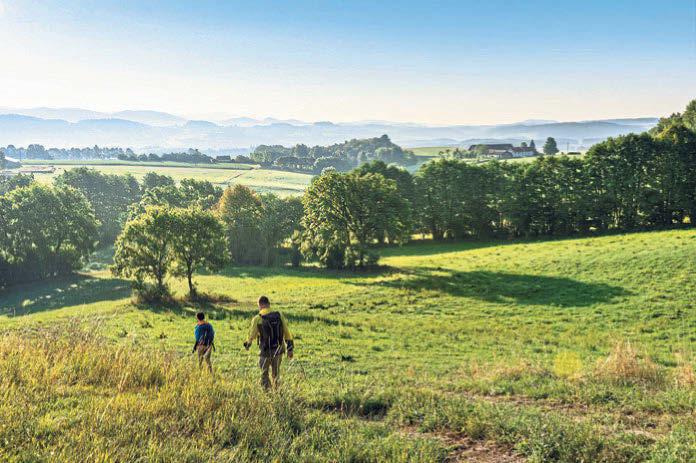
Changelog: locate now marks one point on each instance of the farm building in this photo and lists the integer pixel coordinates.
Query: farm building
(492, 147)
(523, 152)
(7, 162)
(504, 150)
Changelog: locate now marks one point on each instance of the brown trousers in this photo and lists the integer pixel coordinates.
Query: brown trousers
(272, 364)
(204, 353)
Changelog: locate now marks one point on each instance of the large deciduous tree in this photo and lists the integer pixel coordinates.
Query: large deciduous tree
(346, 214)
(279, 218)
(110, 196)
(198, 242)
(240, 210)
(144, 251)
(46, 231)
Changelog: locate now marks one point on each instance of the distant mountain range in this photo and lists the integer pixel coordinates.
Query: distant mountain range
(155, 131)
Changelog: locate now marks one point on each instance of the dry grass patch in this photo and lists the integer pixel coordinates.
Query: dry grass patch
(627, 365)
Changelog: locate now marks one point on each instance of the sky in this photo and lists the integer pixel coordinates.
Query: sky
(436, 62)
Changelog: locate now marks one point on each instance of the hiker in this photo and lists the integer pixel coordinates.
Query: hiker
(204, 345)
(270, 330)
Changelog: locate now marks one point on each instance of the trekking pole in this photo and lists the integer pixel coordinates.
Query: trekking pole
(302, 370)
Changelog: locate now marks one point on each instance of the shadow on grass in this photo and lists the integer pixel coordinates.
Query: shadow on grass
(218, 311)
(500, 287)
(305, 272)
(63, 292)
(430, 248)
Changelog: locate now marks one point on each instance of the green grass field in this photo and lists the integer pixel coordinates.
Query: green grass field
(262, 180)
(568, 350)
(430, 150)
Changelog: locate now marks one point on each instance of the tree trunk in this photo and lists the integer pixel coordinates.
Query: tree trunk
(189, 277)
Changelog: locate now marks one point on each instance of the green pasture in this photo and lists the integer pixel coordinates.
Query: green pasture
(564, 350)
(262, 180)
(430, 150)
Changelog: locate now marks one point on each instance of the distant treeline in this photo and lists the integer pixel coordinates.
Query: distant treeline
(341, 156)
(632, 182)
(36, 151)
(192, 156)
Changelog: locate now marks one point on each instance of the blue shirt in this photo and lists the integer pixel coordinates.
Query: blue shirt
(204, 333)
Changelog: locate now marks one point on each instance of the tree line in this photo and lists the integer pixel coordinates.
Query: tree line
(340, 156)
(37, 151)
(632, 182)
(192, 156)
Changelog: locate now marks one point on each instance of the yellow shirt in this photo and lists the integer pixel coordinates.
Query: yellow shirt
(255, 329)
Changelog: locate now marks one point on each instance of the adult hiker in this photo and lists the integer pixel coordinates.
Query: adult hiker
(270, 329)
(204, 345)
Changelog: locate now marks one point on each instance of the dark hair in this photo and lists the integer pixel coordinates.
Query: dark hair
(200, 316)
(263, 300)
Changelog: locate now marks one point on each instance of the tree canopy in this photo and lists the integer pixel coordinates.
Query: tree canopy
(347, 214)
(550, 147)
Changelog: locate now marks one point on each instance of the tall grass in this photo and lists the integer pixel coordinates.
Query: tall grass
(75, 398)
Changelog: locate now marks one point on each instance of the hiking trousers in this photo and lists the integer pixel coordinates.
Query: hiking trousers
(271, 364)
(204, 353)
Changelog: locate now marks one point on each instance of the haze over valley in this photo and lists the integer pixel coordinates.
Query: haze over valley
(160, 131)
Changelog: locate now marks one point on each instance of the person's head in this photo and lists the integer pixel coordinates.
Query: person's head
(264, 303)
(200, 316)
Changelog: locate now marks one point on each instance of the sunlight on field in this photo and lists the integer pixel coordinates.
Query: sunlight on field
(501, 340)
(262, 180)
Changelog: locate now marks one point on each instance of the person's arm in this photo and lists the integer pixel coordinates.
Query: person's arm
(197, 336)
(253, 332)
(287, 336)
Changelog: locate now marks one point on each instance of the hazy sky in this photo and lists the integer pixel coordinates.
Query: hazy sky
(435, 62)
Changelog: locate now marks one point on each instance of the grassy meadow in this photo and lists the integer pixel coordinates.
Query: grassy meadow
(262, 180)
(430, 150)
(541, 351)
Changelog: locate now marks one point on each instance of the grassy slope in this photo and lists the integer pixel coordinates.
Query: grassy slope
(430, 150)
(263, 180)
(499, 341)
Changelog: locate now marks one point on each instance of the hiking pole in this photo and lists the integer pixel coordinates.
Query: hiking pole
(302, 370)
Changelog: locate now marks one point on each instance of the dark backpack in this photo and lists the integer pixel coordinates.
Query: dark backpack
(271, 338)
(207, 336)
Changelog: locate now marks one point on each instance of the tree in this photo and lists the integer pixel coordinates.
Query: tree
(198, 242)
(454, 199)
(240, 210)
(675, 174)
(200, 193)
(153, 180)
(346, 214)
(621, 170)
(46, 231)
(439, 196)
(110, 195)
(532, 145)
(404, 181)
(8, 184)
(144, 251)
(190, 193)
(278, 220)
(550, 147)
(689, 116)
